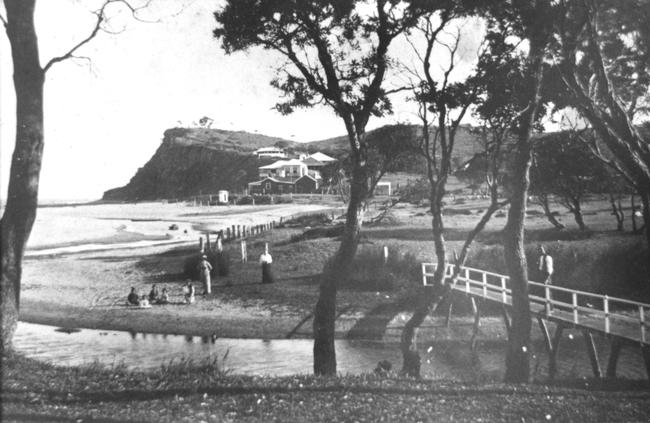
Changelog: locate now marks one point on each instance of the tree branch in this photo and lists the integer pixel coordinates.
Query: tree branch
(101, 17)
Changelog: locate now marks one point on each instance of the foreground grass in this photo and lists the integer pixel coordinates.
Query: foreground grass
(185, 391)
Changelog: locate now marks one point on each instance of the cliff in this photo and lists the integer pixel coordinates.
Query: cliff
(194, 161)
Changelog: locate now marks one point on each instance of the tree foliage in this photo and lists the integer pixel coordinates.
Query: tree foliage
(564, 167)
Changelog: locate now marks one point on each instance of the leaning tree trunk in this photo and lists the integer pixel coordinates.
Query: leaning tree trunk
(576, 210)
(543, 201)
(432, 295)
(334, 273)
(617, 211)
(22, 196)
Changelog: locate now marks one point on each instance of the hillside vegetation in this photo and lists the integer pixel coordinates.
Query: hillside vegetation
(194, 161)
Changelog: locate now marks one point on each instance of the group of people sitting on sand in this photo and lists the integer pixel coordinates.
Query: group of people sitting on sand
(155, 297)
(158, 297)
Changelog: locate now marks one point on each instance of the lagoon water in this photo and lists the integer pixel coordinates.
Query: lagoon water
(281, 357)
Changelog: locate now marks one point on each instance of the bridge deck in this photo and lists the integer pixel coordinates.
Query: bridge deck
(617, 317)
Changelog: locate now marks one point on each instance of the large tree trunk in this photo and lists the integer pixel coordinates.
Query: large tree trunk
(22, 196)
(543, 201)
(432, 295)
(336, 271)
(517, 354)
(518, 349)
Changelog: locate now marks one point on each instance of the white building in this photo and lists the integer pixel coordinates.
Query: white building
(270, 152)
(283, 169)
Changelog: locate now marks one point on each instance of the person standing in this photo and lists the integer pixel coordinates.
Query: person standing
(204, 272)
(265, 261)
(545, 267)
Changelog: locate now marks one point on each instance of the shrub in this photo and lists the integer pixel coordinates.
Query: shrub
(220, 263)
(244, 200)
(455, 212)
(615, 266)
(370, 273)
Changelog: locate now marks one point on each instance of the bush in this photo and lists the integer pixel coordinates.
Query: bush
(241, 201)
(220, 263)
(262, 199)
(614, 266)
(370, 273)
(455, 212)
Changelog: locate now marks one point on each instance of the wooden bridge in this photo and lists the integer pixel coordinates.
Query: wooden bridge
(621, 321)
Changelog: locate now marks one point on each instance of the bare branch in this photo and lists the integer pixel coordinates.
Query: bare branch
(100, 18)
(4, 20)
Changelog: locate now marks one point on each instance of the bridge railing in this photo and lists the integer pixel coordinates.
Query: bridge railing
(579, 307)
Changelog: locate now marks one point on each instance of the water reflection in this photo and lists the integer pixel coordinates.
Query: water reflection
(451, 360)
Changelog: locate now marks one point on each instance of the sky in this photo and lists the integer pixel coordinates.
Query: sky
(105, 117)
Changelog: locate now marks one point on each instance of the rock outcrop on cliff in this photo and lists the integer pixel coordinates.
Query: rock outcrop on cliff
(196, 161)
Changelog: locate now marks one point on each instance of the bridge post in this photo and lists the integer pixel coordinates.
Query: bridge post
(645, 352)
(593, 354)
(477, 323)
(642, 322)
(506, 319)
(606, 310)
(555, 347)
(617, 345)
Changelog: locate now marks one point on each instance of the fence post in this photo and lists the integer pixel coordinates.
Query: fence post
(207, 241)
(385, 254)
(227, 233)
(238, 231)
(201, 244)
(574, 301)
(547, 298)
(424, 274)
(485, 289)
(234, 232)
(642, 322)
(606, 310)
(244, 253)
(504, 296)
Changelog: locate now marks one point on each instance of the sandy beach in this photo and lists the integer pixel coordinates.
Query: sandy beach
(78, 275)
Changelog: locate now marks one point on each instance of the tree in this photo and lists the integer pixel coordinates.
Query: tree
(523, 21)
(564, 167)
(337, 55)
(603, 59)
(446, 103)
(22, 196)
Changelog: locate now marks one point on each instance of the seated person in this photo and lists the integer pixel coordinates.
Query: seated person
(188, 290)
(153, 294)
(164, 297)
(133, 298)
(144, 302)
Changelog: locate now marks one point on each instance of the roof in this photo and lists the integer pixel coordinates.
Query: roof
(282, 163)
(322, 157)
(276, 180)
(310, 161)
(269, 150)
(306, 176)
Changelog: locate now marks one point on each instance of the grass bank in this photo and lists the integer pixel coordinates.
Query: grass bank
(192, 392)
